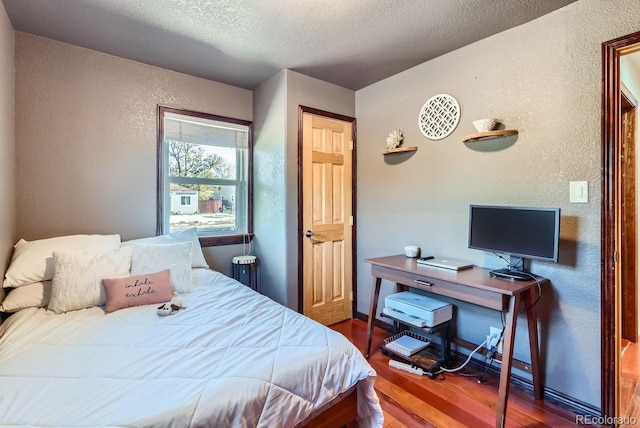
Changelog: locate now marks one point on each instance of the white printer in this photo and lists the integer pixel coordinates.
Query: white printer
(416, 309)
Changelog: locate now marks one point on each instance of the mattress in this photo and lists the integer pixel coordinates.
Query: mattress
(231, 357)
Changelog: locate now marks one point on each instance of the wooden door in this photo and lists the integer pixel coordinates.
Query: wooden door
(628, 253)
(327, 217)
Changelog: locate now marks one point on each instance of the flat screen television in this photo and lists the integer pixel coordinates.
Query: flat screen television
(518, 232)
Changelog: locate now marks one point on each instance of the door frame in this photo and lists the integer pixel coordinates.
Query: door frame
(310, 110)
(629, 235)
(609, 324)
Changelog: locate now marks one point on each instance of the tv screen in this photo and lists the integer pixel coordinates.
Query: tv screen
(531, 233)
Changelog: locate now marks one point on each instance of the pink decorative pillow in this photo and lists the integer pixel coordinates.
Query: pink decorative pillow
(137, 290)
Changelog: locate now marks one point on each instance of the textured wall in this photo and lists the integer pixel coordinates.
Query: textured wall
(86, 138)
(542, 78)
(7, 142)
(270, 187)
(276, 105)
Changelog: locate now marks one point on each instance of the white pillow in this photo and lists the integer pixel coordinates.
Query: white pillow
(32, 261)
(78, 275)
(34, 295)
(148, 258)
(188, 235)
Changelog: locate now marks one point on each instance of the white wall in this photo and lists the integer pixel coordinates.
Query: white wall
(7, 142)
(543, 79)
(86, 139)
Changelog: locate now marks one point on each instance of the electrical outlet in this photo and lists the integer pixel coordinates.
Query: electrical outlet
(495, 332)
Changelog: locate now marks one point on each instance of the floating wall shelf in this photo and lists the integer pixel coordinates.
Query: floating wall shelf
(487, 135)
(399, 150)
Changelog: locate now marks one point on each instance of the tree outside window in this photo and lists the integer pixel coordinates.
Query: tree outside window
(204, 175)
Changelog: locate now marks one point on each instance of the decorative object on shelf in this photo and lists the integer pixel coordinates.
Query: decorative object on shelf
(439, 117)
(394, 140)
(485, 131)
(484, 125)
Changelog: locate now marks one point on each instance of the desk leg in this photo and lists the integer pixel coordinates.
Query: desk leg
(373, 307)
(532, 322)
(507, 360)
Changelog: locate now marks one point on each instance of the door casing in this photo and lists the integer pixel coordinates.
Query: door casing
(609, 311)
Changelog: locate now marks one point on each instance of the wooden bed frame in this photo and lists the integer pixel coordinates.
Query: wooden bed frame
(340, 412)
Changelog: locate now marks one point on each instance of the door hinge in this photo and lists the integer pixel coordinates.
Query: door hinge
(350, 220)
(351, 145)
(615, 256)
(351, 296)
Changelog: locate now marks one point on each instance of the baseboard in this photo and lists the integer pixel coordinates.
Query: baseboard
(550, 395)
(383, 325)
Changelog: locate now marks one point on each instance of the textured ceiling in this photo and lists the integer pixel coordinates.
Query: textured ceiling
(352, 43)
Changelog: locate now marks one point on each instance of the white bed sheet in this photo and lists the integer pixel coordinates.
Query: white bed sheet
(232, 357)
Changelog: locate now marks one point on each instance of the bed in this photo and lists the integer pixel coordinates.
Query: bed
(229, 357)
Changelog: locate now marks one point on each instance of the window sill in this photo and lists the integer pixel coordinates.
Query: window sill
(212, 241)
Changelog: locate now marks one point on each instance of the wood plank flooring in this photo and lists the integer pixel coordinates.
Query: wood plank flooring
(630, 380)
(410, 400)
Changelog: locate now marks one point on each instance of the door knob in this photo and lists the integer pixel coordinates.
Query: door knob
(308, 234)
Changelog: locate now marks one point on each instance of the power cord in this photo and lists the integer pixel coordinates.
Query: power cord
(246, 241)
(445, 370)
(535, 302)
(507, 261)
(490, 356)
(535, 278)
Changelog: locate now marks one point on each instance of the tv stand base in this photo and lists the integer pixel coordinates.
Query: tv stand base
(512, 275)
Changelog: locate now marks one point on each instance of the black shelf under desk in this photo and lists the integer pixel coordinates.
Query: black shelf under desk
(427, 359)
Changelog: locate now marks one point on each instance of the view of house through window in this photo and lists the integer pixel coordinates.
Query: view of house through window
(204, 173)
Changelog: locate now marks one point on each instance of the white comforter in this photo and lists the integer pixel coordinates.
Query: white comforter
(231, 358)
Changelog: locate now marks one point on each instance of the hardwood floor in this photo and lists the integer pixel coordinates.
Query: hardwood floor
(410, 400)
(630, 380)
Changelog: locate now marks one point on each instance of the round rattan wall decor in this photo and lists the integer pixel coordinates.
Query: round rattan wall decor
(439, 117)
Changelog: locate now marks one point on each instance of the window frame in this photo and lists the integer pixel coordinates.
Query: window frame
(206, 240)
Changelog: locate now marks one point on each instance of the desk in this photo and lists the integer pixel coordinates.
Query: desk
(474, 286)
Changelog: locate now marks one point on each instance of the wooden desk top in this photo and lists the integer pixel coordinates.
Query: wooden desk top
(475, 286)
(474, 277)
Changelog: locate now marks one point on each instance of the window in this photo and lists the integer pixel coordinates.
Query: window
(204, 175)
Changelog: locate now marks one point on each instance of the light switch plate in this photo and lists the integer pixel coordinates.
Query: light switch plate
(579, 192)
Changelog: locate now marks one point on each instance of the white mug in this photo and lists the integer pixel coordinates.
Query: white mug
(412, 251)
